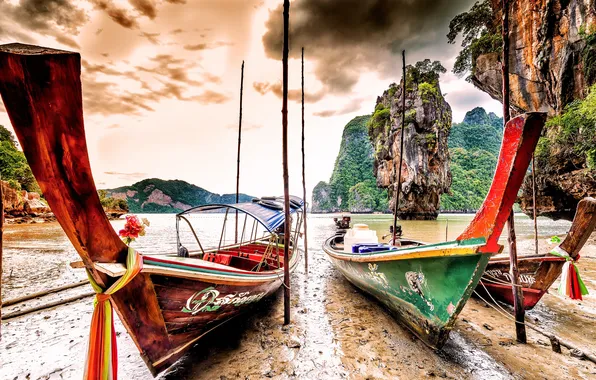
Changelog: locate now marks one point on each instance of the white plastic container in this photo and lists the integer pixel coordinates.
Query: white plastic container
(359, 234)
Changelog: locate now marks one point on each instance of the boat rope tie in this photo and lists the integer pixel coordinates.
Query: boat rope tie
(102, 354)
(571, 284)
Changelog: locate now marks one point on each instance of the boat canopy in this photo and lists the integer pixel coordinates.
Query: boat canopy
(268, 211)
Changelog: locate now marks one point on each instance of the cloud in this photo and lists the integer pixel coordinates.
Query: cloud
(207, 46)
(46, 17)
(293, 95)
(352, 106)
(210, 97)
(144, 7)
(103, 94)
(152, 37)
(246, 126)
(177, 31)
(67, 41)
(128, 176)
(118, 15)
(347, 37)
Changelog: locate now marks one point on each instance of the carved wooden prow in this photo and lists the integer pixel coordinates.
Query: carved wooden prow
(41, 90)
(520, 137)
(582, 227)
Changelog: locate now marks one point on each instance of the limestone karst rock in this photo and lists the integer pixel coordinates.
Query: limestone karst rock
(425, 167)
(553, 63)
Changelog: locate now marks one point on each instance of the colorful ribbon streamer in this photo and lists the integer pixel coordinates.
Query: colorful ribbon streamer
(102, 354)
(572, 284)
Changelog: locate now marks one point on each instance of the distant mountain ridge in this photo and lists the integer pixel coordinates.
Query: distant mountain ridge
(156, 195)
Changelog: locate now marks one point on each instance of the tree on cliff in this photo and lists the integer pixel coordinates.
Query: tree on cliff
(480, 35)
(13, 164)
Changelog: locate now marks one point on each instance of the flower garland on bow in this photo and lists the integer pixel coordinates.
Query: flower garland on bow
(102, 354)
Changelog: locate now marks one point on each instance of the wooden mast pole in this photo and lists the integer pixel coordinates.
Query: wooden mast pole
(518, 301)
(397, 188)
(304, 174)
(534, 205)
(238, 156)
(284, 113)
(1, 233)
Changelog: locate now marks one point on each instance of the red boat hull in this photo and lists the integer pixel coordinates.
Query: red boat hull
(536, 275)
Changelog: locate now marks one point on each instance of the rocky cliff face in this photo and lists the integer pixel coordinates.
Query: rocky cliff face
(352, 186)
(425, 171)
(552, 57)
(21, 206)
(553, 62)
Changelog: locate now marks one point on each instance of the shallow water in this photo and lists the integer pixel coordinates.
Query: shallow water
(336, 331)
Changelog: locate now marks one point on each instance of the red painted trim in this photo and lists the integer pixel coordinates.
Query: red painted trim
(520, 137)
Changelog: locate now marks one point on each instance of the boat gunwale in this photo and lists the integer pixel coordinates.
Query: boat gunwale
(451, 248)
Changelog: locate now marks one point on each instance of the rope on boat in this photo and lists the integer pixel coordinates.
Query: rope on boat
(553, 338)
(489, 278)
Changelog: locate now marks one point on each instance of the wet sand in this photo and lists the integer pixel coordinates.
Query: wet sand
(337, 331)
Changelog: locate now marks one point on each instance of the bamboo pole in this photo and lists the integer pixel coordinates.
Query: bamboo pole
(304, 175)
(238, 156)
(284, 113)
(18, 313)
(397, 188)
(534, 205)
(43, 293)
(1, 233)
(518, 300)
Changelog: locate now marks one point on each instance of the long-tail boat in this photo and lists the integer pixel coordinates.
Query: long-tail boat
(170, 301)
(426, 286)
(537, 273)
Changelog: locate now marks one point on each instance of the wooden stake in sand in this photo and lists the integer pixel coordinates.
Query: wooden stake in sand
(284, 113)
(304, 174)
(397, 188)
(238, 156)
(518, 297)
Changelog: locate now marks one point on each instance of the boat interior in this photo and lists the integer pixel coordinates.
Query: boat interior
(251, 235)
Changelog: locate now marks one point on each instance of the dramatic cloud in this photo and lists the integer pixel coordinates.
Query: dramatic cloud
(103, 93)
(117, 14)
(294, 95)
(144, 7)
(58, 18)
(348, 37)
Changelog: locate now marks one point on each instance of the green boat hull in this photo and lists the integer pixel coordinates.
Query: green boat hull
(425, 294)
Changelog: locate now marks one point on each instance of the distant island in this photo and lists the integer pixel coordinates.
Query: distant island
(156, 195)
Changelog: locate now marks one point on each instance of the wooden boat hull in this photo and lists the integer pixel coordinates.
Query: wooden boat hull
(195, 297)
(41, 90)
(536, 276)
(424, 294)
(537, 273)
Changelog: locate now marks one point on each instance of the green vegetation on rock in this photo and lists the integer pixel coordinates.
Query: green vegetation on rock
(169, 196)
(480, 35)
(352, 186)
(474, 147)
(13, 164)
(571, 134)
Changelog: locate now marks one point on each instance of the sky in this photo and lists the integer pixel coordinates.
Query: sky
(161, 80)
